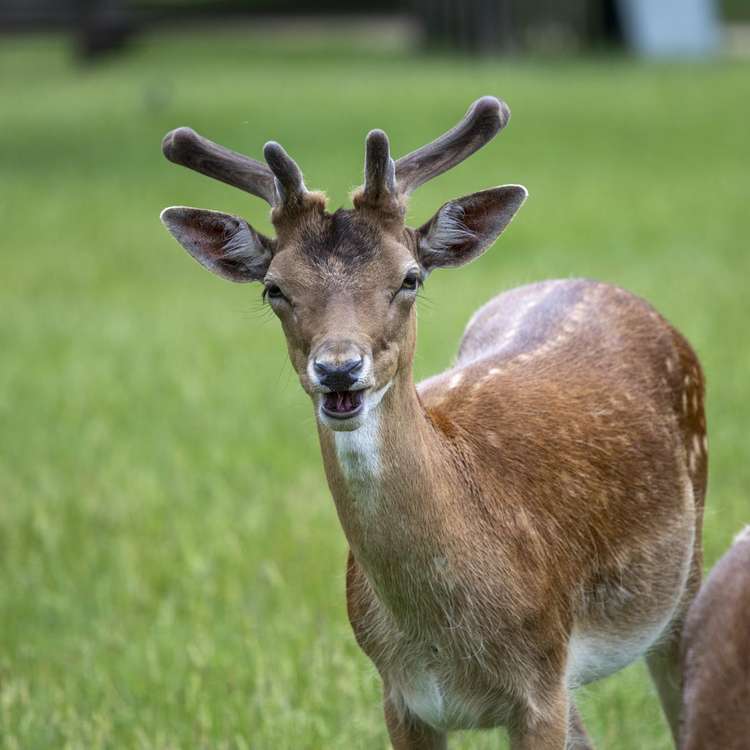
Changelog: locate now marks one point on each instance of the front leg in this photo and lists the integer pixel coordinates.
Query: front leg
(543, 727)
(578, 738)
(407, 732)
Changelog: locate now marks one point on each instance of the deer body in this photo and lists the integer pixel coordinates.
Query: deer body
(520, 532)
(522, 524)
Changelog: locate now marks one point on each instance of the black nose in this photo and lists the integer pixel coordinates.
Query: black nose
(339, 376)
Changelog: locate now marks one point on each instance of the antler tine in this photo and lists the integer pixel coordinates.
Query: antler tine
(380, 169)
(290, 187)
(185, 147)
(484, 119)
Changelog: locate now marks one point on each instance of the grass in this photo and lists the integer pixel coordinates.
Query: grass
(171, 562)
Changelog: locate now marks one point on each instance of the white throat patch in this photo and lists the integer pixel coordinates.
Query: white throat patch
(358, 451)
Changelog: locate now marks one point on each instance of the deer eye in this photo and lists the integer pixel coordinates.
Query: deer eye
(273, 291)
(411, 281)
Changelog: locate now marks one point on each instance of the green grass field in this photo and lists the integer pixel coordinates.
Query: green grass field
(171, 562)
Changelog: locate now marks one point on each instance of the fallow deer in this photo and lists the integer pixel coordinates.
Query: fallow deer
(521, 524)
(716, 657)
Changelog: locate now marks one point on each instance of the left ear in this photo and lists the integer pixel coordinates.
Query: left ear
(464, 228)
(224, 244)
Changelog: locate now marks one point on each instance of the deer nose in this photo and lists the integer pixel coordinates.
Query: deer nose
(338, 376)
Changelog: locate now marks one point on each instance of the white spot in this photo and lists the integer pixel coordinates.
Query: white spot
(424, 698)
(684, 402)
(494, 371)
(669, 365)
(697, 445)
(705, 444)
(743, 536)
(434, 700)
(440, 562)
(577, 313)
(455, 380)
(692, 460)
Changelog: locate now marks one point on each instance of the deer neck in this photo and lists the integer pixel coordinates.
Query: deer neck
(389, 478)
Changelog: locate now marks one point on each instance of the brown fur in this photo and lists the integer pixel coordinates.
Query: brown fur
(560, 491)
(716, 698)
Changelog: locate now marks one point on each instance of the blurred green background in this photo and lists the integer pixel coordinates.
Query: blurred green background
(172, 567)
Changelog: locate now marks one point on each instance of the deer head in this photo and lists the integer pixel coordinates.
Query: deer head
(344, 284)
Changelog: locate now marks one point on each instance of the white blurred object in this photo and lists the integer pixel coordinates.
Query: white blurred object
(671, 28)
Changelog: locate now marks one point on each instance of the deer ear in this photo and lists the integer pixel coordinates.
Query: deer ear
(464, 228)
(226, 245)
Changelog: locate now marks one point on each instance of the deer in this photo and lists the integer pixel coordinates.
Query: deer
(716, 656)
(521, 524)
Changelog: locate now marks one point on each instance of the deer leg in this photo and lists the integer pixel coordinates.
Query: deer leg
(578, 739)
(666, 673)
(407, 732)
(664, 661)
(542, 730)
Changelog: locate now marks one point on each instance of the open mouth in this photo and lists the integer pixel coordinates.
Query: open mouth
(343, 404)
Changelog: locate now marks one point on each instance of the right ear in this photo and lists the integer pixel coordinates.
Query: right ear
(224, 244)
(464, 228)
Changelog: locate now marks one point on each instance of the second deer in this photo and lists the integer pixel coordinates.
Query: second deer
(716, 645)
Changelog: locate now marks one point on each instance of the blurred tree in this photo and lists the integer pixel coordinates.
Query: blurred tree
(104, 26)
(506, 26)
(468, 26)
(736, 10)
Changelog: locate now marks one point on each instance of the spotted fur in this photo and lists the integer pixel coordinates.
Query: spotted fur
(550, 469)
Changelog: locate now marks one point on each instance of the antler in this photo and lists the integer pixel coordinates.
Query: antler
(481, 123)
(289, 185)
(484, 119)
(185, 147)
(280, 183)
(380, 170)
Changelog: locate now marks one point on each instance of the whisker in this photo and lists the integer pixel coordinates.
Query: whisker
(425, 300)
(258, 311)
